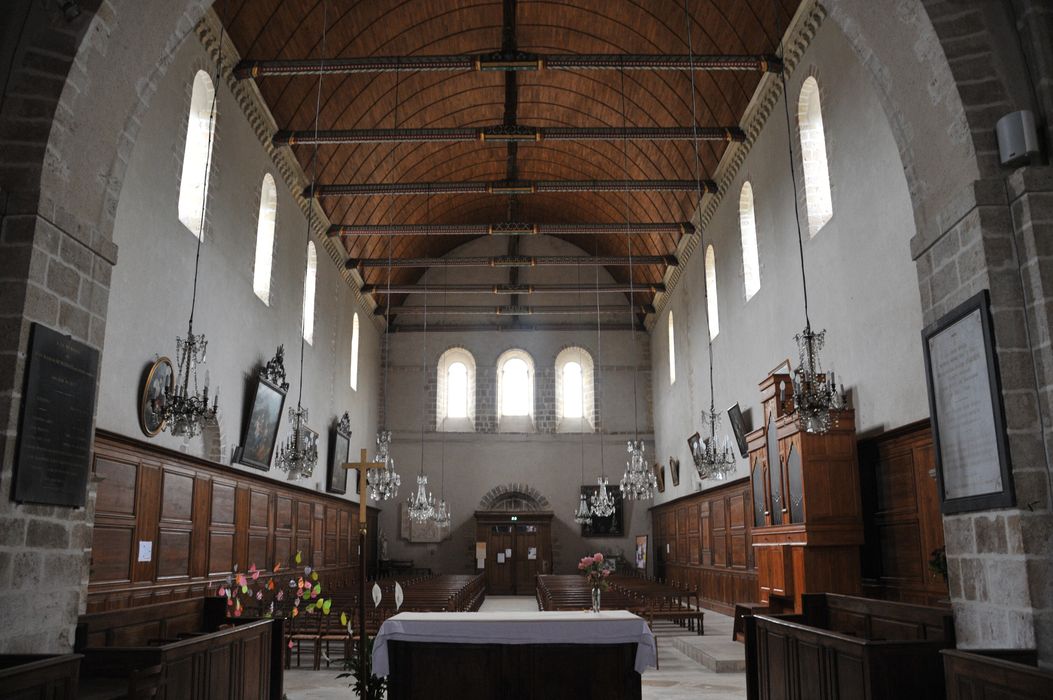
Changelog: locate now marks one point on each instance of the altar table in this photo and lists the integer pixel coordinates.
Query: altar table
(548, 655)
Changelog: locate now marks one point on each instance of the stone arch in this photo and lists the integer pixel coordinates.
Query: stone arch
(514, 497)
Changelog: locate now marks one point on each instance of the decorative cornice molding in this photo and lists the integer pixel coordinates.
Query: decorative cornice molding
(262, 122)
(798, 37)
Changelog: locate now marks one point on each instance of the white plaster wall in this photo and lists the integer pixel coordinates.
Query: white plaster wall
(151, 286)
(862, 286)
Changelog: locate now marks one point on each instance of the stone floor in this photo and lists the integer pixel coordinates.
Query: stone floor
(679, 676)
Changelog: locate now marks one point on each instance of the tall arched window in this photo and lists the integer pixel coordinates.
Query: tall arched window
(193, 184)
(261, 271)
(515, 391)
(575, 391)
(711, 292)
(354, 352)
(455, 395)
(309, 282)
(748, 233)
(813, 156)
(671, 341)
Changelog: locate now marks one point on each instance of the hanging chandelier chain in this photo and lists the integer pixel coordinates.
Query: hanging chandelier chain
(796, 205)
(311, 202)
(629, 245)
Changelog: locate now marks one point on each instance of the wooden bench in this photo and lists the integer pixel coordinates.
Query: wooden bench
(995, 675)
(321, 636)
(183, 650)
(39, 676)
(844, 647)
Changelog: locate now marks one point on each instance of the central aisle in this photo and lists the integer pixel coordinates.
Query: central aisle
(509, 603)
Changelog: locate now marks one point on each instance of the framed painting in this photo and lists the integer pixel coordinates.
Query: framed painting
(641, 552)
(611, 526)
(659, 475)
(973, 469)
(674, 470)
(339, 451)
(738, 427)
(261, 429)
(159, 377)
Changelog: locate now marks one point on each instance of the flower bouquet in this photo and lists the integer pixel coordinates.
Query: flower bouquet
(596, 573)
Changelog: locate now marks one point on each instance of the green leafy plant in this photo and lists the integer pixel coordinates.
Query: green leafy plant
(938, 562)
(366, 685)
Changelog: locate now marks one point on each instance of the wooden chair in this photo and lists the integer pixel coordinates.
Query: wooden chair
(304, 629)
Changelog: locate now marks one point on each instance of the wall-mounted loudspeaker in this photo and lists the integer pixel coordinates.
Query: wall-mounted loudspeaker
(1017, 138)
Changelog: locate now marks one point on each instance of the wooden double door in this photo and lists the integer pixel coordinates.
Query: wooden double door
(518, 548)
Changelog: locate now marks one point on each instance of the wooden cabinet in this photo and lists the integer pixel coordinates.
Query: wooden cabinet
(806, 510)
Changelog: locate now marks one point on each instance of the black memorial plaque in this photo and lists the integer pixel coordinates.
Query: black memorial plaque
(54, 435)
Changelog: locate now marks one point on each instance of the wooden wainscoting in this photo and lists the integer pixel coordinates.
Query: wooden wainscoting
(202, 518)
(703, 540)
(901, 512)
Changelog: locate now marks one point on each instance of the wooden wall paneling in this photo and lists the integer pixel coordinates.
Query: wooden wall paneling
(901, 515)
(201, 519)
(146, 519)
(318, 534)
(708, 537)
(115, 518)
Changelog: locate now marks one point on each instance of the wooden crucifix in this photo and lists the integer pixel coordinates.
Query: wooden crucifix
(363, 466)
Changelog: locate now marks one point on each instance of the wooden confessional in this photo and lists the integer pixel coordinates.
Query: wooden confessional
(807, 515)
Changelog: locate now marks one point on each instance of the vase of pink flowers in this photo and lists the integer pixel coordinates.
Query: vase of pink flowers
(596, 573)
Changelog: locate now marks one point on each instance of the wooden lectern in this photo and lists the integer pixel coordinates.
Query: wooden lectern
(807, 513)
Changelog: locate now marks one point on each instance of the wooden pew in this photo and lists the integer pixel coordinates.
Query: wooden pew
(844, 647)
(648, 599)
(186, 650)
(1009, 674)
(320, 636)
(39, 676)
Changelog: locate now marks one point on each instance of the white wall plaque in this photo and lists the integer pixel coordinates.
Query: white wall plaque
(965, 400)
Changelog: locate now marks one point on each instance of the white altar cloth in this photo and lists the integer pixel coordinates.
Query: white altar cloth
(605, 627)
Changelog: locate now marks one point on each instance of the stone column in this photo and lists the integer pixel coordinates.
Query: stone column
(998, 235)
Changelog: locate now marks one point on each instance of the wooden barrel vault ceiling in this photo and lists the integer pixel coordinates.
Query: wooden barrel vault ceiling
(507, 141)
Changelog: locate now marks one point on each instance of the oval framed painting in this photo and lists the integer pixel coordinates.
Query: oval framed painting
(160, 376)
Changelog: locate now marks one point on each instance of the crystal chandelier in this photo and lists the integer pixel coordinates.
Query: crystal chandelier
(187, 411)
(713, 459)
(602, 503)
(638, 481)
(421, 504)
(383, 483)
(582, 516)
(299, 455)
(441, 514)
(815, 393)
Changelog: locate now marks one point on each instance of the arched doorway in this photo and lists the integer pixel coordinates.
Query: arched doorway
(513, 539)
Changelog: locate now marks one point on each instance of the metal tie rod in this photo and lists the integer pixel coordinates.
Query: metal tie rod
(764, 63)
(672, 228)
(514, 310)
(513, 261)
(622, 288)
(505, 134)
(508, 187)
